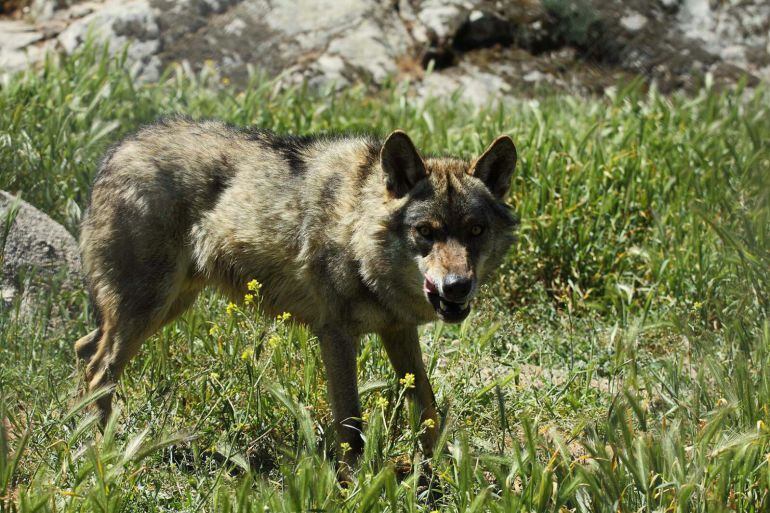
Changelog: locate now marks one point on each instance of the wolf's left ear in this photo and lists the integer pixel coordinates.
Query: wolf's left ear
(495, 166)
(402, 164)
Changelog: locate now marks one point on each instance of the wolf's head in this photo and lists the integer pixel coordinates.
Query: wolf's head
(452, 217)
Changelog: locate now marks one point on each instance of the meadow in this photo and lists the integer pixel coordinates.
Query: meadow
(619, 361)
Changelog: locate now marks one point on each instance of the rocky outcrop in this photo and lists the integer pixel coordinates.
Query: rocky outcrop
(486, 47)
(321, 41)
(37, 254)
(133, 25)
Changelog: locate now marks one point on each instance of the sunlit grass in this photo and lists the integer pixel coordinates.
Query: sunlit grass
(619, 362)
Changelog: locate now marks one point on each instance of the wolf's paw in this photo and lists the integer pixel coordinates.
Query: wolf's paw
(430, 489)
(346, 476)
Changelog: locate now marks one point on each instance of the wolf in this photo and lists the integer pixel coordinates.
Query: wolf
(348, 233)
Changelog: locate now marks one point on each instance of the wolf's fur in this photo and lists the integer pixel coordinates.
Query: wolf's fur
(330, 226)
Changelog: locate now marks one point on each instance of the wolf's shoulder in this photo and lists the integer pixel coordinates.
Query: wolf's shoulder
(308, 154)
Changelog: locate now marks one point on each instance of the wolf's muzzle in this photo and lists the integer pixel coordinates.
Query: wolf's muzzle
(452, 307)
(457, 288)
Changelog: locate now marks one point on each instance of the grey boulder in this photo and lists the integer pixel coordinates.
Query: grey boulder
(39, 257)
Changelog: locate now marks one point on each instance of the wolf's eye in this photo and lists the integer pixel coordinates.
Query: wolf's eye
(477, 230)
(424, 230)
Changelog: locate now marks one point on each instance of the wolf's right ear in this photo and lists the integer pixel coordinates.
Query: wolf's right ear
(495, 167)
(402, 164)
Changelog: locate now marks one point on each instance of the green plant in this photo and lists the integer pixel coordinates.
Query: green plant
(619, 362)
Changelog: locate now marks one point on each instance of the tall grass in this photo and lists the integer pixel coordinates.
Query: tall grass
(638, 284)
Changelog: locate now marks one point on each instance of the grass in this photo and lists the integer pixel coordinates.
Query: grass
(620, 361)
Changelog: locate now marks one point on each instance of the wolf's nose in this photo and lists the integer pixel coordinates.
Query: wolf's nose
(456, 288)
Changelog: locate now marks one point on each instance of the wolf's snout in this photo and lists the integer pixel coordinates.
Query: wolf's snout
(456, 288)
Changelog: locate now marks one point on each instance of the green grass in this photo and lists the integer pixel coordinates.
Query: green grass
(620, 361)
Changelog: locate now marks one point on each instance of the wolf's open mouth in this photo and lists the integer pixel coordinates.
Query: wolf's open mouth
(448, 311)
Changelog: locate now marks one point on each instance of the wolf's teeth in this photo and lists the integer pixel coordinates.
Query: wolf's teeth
(442, 304)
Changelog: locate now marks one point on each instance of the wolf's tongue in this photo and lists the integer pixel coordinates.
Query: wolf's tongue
(429, 286)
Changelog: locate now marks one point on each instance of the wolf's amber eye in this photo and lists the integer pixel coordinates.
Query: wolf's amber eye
(424, 230)
(477, 230)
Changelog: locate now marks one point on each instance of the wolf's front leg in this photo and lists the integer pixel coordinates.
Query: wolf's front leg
(403, 347)
(338, 351)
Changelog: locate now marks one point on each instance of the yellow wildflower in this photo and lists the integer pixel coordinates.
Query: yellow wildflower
(247, 354)
(248, 299)
(231, 308)
(429, 423)
(274, 341)
(382, 402)
(214, 330)
(345, 447)
(254, 285)
(408, 380)
(285, 316)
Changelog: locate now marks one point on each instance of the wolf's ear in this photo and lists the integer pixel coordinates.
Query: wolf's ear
(495, 167)
(402, 164)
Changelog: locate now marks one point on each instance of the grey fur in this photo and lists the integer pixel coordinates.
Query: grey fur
(183, 204)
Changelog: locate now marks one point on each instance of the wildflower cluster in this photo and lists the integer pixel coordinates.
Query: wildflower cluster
(407, 381)
(253, 287)
(273, 341)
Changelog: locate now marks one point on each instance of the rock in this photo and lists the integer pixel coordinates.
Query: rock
(730, 30)
(37, 254)
(120, 24)
(17, 45)
(15, 35)
(633, 21)
(43, 10)
(672, 43)
(322, 41)
(372, 47)
(535, 76)
(472, 84)
(368, 37)
(441, 19)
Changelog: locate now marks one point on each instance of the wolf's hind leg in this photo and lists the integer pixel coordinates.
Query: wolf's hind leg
(135, 317)
(86, 346)
(119, 342)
